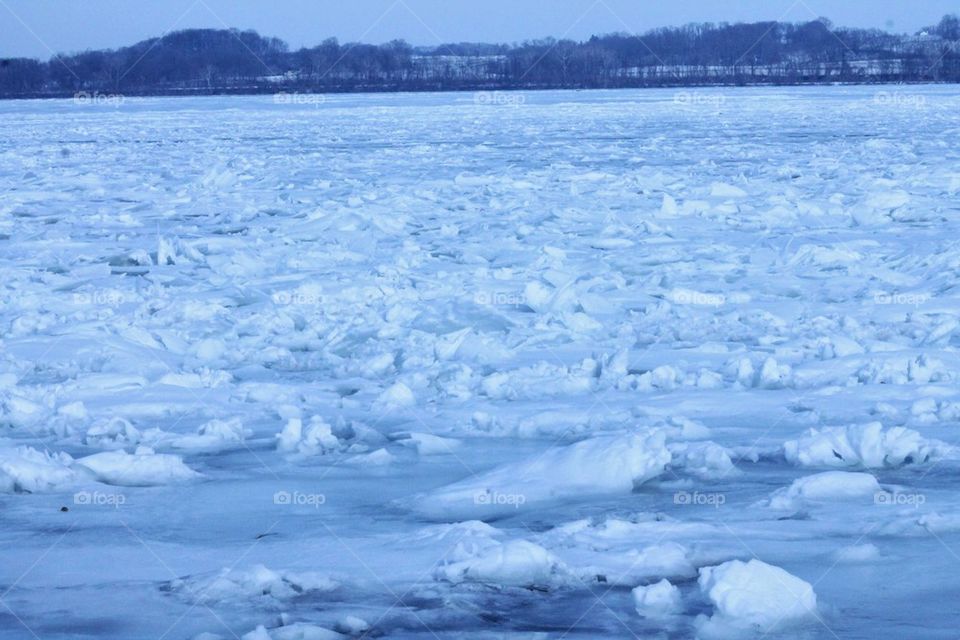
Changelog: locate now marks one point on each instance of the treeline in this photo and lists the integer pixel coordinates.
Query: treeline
(232, 61)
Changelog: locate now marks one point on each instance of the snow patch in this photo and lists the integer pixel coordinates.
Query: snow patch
(214, 435)
(426, 444)
(143, 468)
(258, 584)
(604, 464)
(316, 439)
(829, 485)
(26, 470)
(517, 563)
(658, 600)
(755, 595)
(398, 396)
(867, 446)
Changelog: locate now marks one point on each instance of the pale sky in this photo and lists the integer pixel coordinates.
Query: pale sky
(36, 28)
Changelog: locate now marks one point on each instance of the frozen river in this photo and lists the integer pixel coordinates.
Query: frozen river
(481, 365)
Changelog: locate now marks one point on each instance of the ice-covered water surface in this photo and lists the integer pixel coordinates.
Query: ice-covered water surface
(593, 364)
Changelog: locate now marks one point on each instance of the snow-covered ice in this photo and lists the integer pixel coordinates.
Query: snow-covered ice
(594, 466)
(829, 485)
(515, 563)
(657, 600)
(755, 595)
(865, 445)
(141, 468)
(597, 364)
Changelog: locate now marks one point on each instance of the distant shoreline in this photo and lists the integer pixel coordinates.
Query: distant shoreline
(289, 94)
(198, 62)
